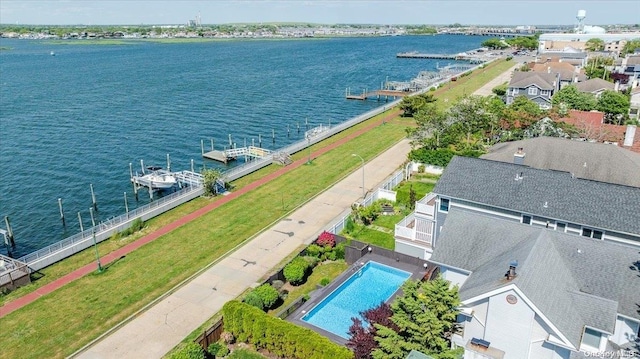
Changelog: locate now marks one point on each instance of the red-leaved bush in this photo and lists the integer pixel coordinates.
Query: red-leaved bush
(326, 239)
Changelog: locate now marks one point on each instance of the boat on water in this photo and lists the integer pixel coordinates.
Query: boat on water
(159, 178)
(155, 178)
(53, 53)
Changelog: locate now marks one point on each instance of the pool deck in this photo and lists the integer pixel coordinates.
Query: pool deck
(417, 273)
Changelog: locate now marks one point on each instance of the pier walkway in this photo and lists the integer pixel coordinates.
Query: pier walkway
(156, 330)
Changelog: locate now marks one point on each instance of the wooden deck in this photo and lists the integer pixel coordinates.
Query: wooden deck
(378, 94)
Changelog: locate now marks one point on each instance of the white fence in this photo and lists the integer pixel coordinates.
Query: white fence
(78, 242)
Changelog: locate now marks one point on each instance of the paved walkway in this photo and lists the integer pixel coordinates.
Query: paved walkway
(499, 80)
(156, 331)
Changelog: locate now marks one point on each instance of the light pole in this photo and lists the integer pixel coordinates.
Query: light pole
(309, 148)
(95, 245)
(361, 159)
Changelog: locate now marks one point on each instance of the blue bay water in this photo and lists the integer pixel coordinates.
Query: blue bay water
(80, 117)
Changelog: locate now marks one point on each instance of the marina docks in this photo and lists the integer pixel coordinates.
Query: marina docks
(476, 56)
(378, 94)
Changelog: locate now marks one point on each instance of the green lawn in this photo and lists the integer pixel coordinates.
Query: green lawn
(80, 311)
(389, 221)
(375, 237)
(467, 85)
(421, 189)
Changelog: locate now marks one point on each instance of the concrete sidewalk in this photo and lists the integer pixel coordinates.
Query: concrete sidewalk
(156, 331)
(499, 80)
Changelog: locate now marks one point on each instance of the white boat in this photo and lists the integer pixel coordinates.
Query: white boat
(156, 179)
(53, 53)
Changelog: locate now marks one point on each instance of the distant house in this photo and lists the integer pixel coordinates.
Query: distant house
(538, 87)
(595, 86)
(634, 108)
(547, 262)
(591, 127)
(568, 74)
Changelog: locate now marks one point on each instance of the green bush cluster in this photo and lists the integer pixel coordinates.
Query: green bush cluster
(279, 337)
(296, 271)
(326, 253)
(218, 350)
(189, 351)
(268, 294)
(254, 299)
(136, 225)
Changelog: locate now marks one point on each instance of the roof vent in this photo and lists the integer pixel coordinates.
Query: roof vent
(511, 273)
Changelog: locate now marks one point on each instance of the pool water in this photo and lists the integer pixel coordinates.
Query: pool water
(372, 284)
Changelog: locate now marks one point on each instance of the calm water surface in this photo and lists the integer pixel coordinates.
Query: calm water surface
(80, 117)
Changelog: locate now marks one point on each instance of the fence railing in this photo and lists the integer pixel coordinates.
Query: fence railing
(77, 242)
(211, 335)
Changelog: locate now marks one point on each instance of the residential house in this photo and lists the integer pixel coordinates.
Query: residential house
(569, 246)
(634, 107)
(615, 46)
(591, 127)
(538, 87)
(595, 86)
(568, 74)
(586, 160)
(629, 69)
(532, 293)
(569, 55)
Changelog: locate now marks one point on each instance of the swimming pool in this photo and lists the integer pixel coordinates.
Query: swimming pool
(371, 284)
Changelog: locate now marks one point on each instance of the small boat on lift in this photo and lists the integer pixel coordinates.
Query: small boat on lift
(155, 178)
(159, 178)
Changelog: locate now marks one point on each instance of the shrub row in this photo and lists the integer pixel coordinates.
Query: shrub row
(326, 253)
(284, 339)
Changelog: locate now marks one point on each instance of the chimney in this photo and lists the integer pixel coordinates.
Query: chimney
(629, 135)
(511, 273)
(518, 157)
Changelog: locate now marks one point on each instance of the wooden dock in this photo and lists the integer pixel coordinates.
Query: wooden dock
(378, 94)
(233, 153)
(418, 55)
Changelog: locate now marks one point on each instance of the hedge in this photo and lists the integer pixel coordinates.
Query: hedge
(281, 338)
(189, 351)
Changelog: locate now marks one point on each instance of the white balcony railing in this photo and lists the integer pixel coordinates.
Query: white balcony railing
(415, 229)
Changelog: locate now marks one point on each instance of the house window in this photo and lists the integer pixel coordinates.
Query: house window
(591, 338)
(444, 205)
(587, 232)
(561, 227)
(526, 219)
(545, 92)
(515, 91)
(533, 91)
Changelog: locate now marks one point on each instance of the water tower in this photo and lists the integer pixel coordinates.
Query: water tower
(582, 14)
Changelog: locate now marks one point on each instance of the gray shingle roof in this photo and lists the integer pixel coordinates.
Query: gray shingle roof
(605, 163)
(542, 80)
(574, 200)
(594, 85)
(574, 281)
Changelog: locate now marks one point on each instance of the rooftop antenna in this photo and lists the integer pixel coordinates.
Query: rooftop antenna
(582, 14)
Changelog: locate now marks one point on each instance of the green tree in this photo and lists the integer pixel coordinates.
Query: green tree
(210, 177)
(597, 67)
(630, 47)
(426, 315)
(495, 44)
(268, 294)
(500, 90)
(615, 105)
(574, 99)
(431, 125)
(412, 104)
(524, 42)
(595, 44)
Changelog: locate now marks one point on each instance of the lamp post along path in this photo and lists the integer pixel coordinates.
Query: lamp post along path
(361, 159)
(95, 244)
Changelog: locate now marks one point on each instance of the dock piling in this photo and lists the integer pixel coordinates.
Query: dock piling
(61, 212)
(230, 142)
(192, 165)
(168, 163)
(93, 197)
(288, 131)
(202, 146)
(126, 205)
(81, 226)
(10, 237)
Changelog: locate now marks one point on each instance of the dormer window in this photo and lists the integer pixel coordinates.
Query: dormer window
(533, 90)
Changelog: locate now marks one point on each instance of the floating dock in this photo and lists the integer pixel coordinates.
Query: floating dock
(378, 94)
(233, 153)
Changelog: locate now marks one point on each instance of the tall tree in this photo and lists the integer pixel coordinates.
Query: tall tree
(425, 315)
(574, 99)
(630, 47)
(615, 105)
(410, 105)
(594, 44)
(362, 340)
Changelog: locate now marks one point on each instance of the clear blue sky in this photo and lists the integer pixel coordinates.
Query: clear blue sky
(507, 12)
